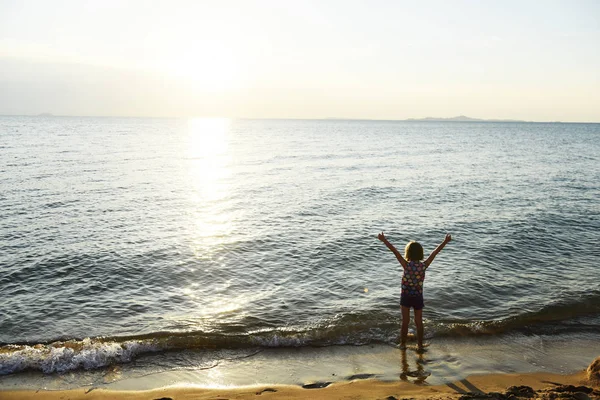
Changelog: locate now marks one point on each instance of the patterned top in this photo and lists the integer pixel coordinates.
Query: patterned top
(413, 277)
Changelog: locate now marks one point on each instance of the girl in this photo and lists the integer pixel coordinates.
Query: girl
(412, 283)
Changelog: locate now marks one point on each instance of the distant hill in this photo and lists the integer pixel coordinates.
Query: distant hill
(462, 118)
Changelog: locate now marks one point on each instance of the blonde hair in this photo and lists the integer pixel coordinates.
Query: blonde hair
(413, 251)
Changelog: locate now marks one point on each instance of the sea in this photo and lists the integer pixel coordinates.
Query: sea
(132, 239)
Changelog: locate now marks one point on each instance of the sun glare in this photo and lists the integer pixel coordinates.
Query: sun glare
(205, 66)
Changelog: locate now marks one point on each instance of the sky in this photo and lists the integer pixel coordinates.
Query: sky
(529, 60)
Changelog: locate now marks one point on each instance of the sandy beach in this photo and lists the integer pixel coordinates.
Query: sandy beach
(496, 386)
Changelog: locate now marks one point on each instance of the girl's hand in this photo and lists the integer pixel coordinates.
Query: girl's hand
(381, 237)
(448, 238)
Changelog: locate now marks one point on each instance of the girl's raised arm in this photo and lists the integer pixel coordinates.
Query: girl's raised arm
(438, 249)
(390, 246)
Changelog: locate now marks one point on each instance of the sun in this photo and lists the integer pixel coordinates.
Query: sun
(205, 65)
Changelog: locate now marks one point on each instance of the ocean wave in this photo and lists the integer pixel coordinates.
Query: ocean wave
(94, 353)
(551, 318)
(70, 355)
(348, 329)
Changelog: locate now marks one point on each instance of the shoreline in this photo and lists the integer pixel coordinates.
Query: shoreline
(448, 369)
(529, 385)
(446, 360)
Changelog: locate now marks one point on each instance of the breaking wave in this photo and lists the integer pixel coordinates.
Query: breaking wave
(349, 329)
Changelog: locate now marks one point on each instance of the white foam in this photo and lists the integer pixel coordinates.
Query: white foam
(86, 354)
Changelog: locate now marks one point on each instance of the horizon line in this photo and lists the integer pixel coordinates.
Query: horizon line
(411, 119)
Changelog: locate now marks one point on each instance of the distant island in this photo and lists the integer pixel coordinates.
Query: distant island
(462, 118)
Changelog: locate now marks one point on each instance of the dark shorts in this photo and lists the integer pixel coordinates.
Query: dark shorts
(415, 302)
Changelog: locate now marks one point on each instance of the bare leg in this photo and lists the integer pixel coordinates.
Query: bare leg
(404, 330)
(419, 323)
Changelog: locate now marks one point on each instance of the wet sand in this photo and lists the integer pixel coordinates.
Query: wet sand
(499, 386)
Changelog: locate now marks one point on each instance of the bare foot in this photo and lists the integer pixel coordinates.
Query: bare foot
(421, 349)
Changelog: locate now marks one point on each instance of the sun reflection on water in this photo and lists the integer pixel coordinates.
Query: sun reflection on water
(208, 136)
(208, 155)
(209, 162)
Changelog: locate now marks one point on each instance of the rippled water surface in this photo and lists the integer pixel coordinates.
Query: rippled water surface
(236, 233)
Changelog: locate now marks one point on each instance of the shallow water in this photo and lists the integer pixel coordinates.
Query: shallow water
(155, 234)
(446, 360)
